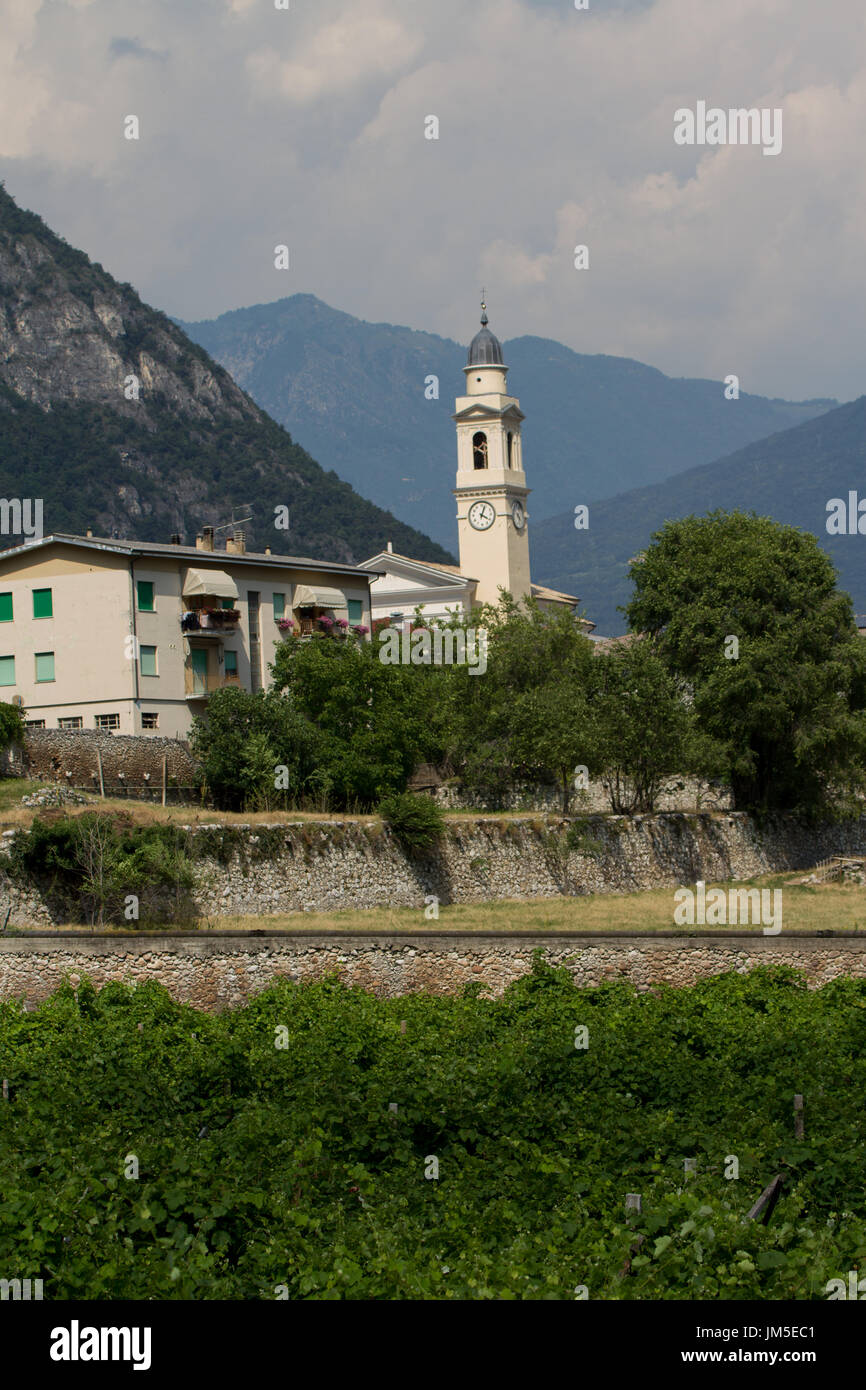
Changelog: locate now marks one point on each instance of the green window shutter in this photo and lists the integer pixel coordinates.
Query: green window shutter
(279, 607)
(356, 610)
(148, 661)
(45, 666)
(42, 605)
(7, 670)
(145, 596)
(231, 663)
(5, 608)
(227, 603)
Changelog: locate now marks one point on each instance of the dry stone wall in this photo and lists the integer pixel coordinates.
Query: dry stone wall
(338, 865)
(129, 761)
(224, 971)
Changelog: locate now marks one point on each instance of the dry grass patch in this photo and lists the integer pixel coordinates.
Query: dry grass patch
(807, 910)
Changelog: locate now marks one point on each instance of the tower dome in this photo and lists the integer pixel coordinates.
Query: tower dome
(485, 350)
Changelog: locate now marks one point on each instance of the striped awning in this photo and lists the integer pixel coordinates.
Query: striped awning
(308, 597)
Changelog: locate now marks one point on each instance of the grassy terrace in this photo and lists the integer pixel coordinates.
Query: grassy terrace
(807, 910)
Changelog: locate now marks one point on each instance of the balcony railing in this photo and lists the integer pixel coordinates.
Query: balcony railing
(198, 686)
(211, 623)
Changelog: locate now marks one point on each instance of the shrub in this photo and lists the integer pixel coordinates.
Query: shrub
(416, 822)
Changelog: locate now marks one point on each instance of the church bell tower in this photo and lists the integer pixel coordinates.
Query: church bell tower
(491, 486)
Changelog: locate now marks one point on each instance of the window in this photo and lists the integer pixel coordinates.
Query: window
(34, 723)
(231, 663)
(145, 596)
(107, 721)
(279, 607)
(7, 670)
(147, 661)
(356, 610)
(5, 608)
(150, 721)
(510, 441)
(479, 449)
(227, 603)
(42, 605)
(71, 721)
(45, 666)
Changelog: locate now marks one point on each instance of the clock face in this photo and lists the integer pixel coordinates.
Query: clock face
(518, 516)
(482, 515)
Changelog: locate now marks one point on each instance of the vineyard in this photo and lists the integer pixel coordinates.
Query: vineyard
(321, 1143)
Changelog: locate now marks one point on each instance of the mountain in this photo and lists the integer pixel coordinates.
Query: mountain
(192, 448)
(791, 476)
(354, 392)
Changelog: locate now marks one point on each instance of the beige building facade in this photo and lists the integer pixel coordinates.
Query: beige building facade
(135, 638)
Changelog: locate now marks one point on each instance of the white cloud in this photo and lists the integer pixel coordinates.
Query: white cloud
(556, 127)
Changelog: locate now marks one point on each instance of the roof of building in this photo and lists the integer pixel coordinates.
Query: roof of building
(423, 564)
(485, 350)
(555, 595)
(184, 552)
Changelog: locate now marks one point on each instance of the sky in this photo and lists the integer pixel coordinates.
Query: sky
(305, 127)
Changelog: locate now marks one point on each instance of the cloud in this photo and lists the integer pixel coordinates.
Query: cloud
(307, 127)
(131, 48)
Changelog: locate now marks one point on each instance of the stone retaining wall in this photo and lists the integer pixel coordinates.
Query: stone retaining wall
(128, 760)
(323, 866)
(224, 970)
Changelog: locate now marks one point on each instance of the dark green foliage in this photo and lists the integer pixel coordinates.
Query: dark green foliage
(91, 865)
(11, 725)
(784, 720)
(416, 822)
(644, 725)
(263, 1167)
(244, 742)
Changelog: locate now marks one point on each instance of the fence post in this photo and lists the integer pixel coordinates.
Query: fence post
(164, 775)
(799, 1118)
(101, 778)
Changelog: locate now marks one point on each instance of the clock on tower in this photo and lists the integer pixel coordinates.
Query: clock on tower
(491, 486)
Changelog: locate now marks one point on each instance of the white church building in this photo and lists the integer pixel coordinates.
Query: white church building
(492, 516)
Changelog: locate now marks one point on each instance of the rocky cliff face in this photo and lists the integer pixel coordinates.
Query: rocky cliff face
(114, 417)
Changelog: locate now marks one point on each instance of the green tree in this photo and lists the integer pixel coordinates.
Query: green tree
(528, 716)
(747, 612)
(244, 739)
(643, 725)
(372, 720)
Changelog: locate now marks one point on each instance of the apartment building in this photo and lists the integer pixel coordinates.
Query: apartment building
(135, 637)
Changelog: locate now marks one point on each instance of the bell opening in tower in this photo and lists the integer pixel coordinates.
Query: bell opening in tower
(479, 450)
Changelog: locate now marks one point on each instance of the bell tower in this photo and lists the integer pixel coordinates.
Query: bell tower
(491, 486)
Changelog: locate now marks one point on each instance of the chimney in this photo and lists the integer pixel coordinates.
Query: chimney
(175, 540)
(390, 548)
(204, 539)
(89, 532)
(267, 550)
(236, 543)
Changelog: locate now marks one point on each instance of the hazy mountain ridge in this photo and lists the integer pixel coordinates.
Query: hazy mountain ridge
(355, 393)
(189, 450)
(790, 476)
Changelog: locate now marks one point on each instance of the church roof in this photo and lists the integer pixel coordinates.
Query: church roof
(485, 350)
(385, 555)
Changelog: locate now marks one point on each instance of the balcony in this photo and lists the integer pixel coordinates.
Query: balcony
(198, 686)
(210, 622)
